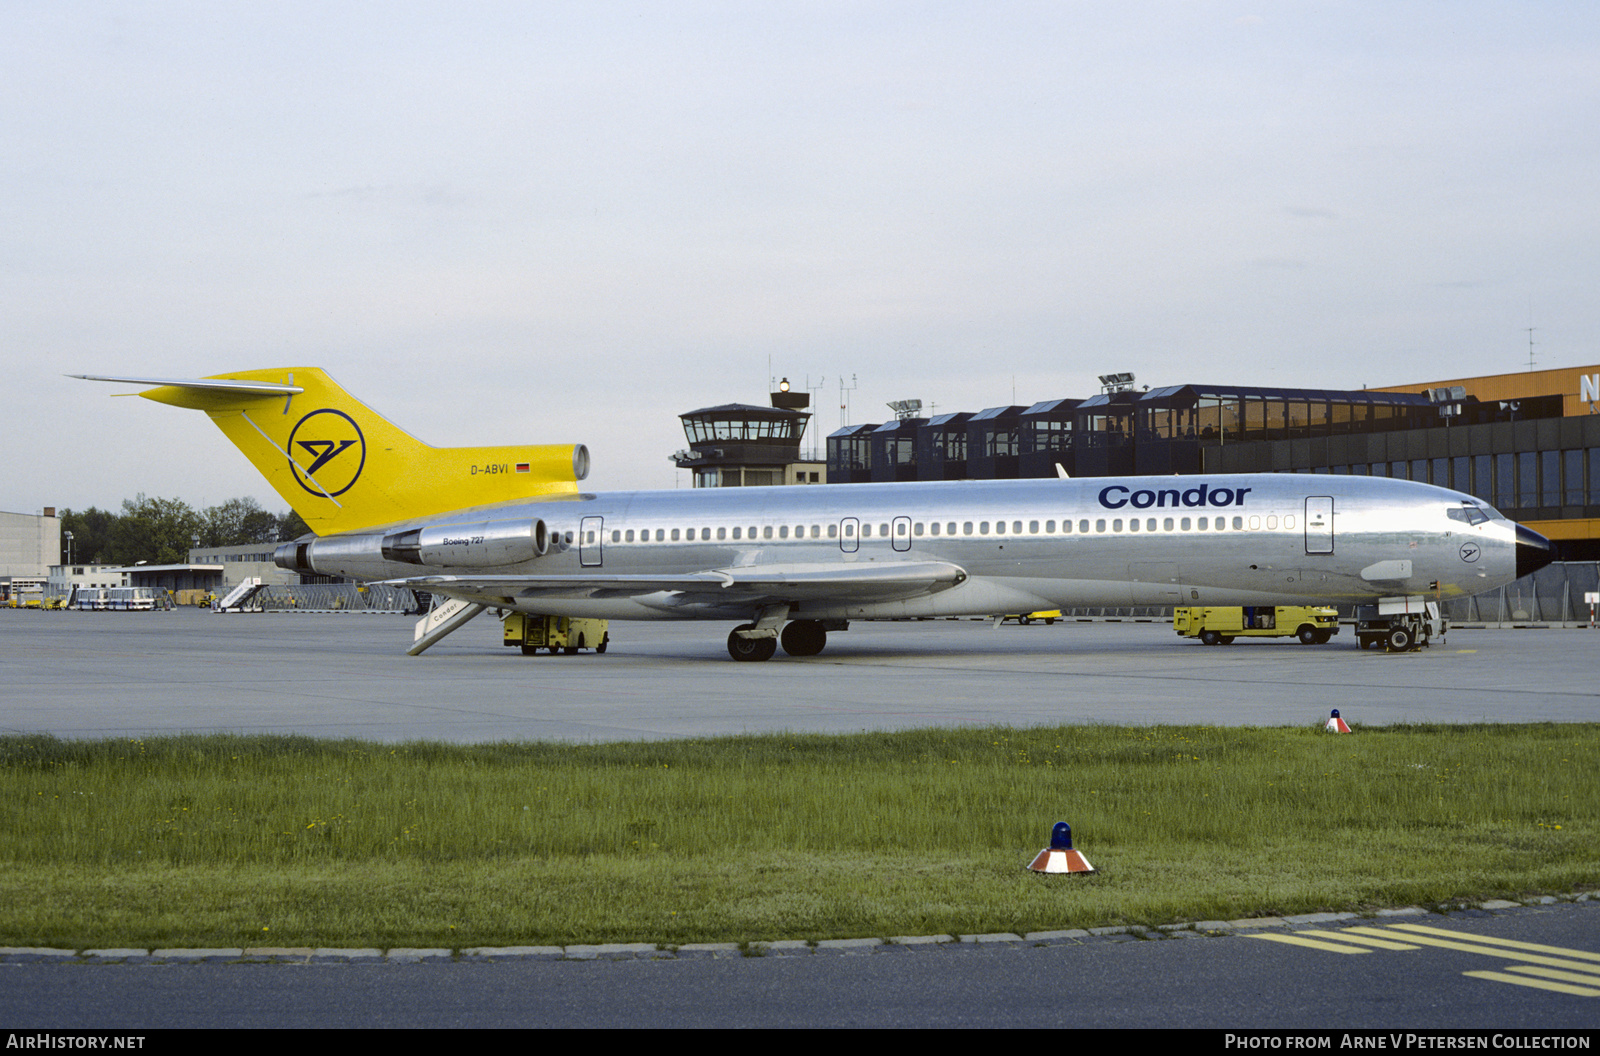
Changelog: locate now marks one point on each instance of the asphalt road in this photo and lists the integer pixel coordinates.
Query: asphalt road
(1422, 981)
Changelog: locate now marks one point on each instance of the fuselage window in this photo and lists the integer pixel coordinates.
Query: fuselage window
(1150, 525)
(1288, 522)
(1100, 525)
(1016, 528)
(1238, 524)
(1255, 524)
(1133, 524)
(616, 536)
(661, 535)
(629, 536)
(833, 531)
(1203, 523)
(1184, 524)
(1049, 526)
(916, 529)
(766, 532)
(933, 528)
(950, 529)
(752, 532)
(675, 534)
(966, 527)
(1116, 525)
(849, 531)
(883, 530)
(722, 533)
(1166, 525)
(736, 533)
(1272, 523)
(783, 532)
(999, 527)
(866, 531)
(569, 538)
(983, 527)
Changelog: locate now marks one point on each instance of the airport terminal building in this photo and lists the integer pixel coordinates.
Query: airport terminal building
(1528, 443)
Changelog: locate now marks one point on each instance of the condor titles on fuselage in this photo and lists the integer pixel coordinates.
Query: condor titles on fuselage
(508, 528)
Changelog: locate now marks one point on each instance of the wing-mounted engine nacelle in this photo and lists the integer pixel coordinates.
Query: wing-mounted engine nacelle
(484, 544)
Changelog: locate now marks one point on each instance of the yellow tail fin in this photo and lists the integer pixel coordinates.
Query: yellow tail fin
(342, 467)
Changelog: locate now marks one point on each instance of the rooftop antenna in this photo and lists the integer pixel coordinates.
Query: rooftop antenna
(1531, 329)
(844, 399)
(811, 435)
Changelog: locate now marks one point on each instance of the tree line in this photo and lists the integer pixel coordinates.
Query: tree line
(162, 531)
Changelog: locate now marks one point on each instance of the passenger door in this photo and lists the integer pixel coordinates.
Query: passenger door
(1319, 524)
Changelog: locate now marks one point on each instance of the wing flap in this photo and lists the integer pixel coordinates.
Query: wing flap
(859, 582)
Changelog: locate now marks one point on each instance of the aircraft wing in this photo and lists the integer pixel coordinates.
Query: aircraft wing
(759, 583)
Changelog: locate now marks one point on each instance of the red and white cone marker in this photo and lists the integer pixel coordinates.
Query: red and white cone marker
(1059, 857)
(1335, 724)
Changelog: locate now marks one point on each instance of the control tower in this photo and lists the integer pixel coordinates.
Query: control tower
(742, 445)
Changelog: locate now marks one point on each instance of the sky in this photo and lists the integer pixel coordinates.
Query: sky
(529, 222)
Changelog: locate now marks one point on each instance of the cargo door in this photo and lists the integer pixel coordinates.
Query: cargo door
(1319, 524)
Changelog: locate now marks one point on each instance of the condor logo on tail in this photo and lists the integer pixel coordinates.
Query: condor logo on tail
(327, 452)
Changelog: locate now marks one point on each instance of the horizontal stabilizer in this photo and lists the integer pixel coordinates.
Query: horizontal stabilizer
(242, 388)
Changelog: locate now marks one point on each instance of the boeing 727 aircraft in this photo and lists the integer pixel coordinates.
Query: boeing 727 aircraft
(509, 528)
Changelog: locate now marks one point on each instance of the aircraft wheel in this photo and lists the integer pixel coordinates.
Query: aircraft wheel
(1308, 635)
(1210, 638)
(804, 638)
(750, 649)
(1399, 639)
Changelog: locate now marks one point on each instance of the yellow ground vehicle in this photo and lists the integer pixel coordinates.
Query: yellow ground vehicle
(1047, 615)
(1219, 625)
(566, 633)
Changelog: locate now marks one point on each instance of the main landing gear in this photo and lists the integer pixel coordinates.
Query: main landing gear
(799, 638)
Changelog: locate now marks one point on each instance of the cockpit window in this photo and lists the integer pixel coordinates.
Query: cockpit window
(1469, 513)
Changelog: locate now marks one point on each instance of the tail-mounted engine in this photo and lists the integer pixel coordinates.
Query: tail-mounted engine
(483, 544)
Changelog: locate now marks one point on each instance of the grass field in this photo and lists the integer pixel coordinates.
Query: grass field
(285, 841)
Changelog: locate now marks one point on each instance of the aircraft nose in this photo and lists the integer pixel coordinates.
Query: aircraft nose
(1533, 552)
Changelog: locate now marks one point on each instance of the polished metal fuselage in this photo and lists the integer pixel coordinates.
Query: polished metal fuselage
(1021, 545)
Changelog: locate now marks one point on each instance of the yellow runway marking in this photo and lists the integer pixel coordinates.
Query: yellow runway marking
(1382, 944)
(1553, 973)
(1541, 984)
(1468, 944)
(1423, 929)
(1315, 944)
(1557, 968)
